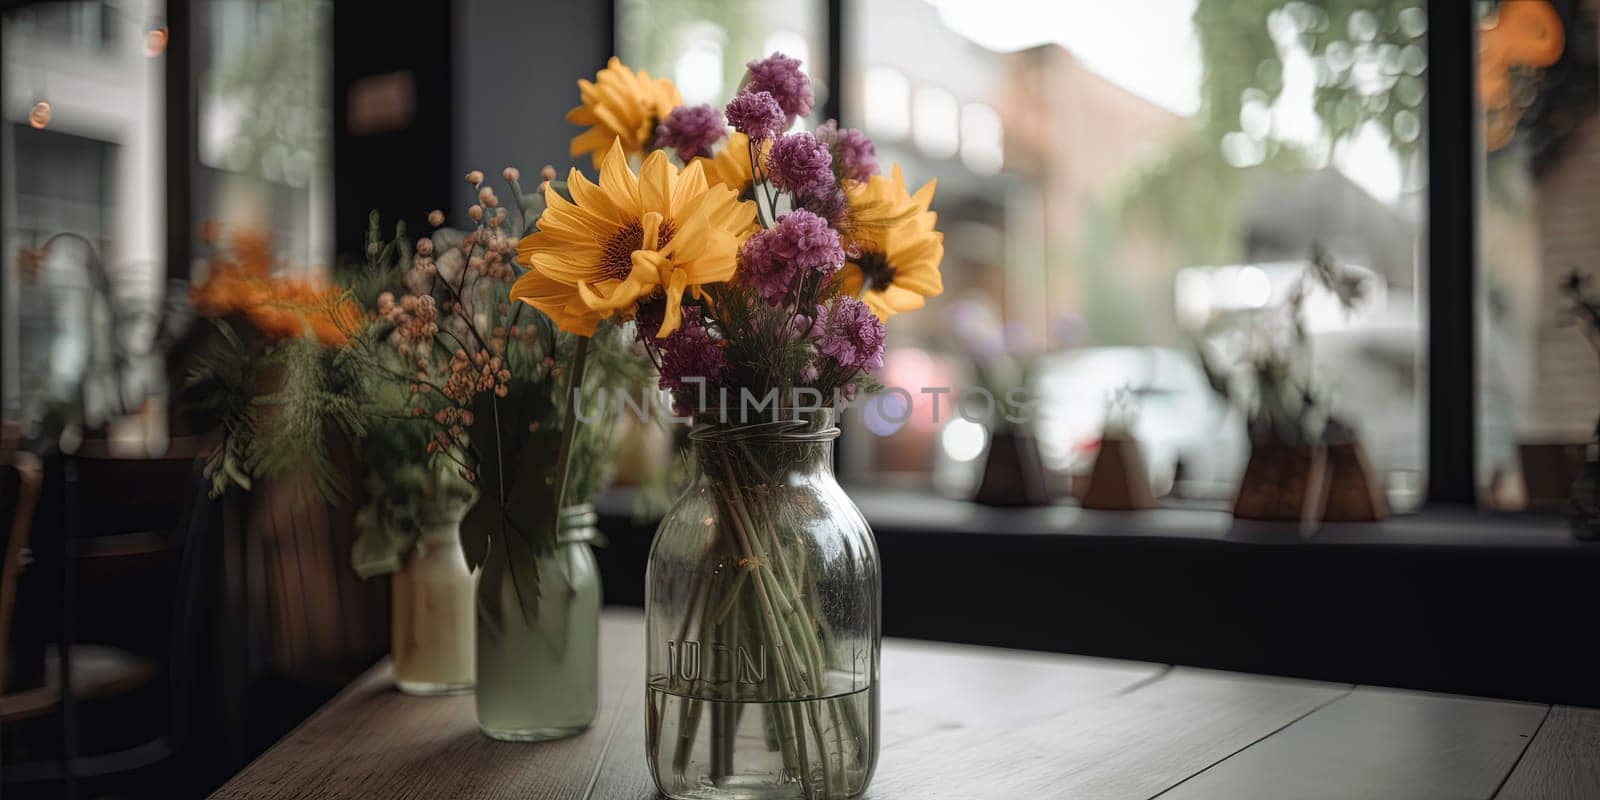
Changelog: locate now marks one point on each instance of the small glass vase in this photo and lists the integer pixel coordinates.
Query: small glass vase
(541, 681)
(762, 621)
(431, 610)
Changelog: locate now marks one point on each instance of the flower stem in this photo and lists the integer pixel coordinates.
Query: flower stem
(569, 427)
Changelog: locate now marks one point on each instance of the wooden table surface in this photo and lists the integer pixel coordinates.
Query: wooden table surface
(971, 722)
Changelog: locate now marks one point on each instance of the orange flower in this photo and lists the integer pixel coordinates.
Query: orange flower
(240, 282)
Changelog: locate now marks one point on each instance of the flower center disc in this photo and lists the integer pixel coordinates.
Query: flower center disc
(616, 259)
(875, 269)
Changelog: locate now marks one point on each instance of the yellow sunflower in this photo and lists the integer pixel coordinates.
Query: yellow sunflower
(730, 166)
(899, 251)
(620, 105)
(628, 238)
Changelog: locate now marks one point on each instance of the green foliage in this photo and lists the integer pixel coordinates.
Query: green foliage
(278, 73)
(1190, 196)
(407, 400)
(405, 497)
(385, 265)
(764, 356)
(1113, 307)
(1370, 59)
(503, 439)
(316, 402)
(218, 392)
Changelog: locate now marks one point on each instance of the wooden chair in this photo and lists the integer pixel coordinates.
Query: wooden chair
(82, 676)
(21, 480)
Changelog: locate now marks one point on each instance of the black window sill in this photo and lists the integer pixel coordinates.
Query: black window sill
(1444, 527)
(1446, 599)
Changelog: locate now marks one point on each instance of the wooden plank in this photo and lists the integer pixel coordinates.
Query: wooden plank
(1379, 743)
(373, 741)
(928, 690)
(1563, 762)
(1131, 745)
(929, 687)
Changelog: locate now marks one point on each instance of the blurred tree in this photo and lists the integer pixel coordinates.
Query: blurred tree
(1369, 58)
(1369, 61)
(273, 85)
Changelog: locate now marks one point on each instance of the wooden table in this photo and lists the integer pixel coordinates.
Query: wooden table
(970, 722)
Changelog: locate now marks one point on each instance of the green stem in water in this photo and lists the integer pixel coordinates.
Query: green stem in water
(569, 427)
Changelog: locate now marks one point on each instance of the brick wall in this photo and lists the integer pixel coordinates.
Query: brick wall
(1567, 210)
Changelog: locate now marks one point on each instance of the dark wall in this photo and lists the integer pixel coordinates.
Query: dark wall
(403, 170)
(517, 69)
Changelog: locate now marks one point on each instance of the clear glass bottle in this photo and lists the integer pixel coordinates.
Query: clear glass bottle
(541, 681)
(431, 609)
(762, 620)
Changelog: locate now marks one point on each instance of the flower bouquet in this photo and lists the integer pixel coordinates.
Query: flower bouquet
(757, 268)
(488, 384)
(450, 393)
(263, 337)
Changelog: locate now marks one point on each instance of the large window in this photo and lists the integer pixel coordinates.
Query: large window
(1538, 89)
(264, 133)
(1123, 184)
(81, 168)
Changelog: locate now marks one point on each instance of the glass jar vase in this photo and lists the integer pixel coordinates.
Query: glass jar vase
(762, 623)
(431, 609)
(539, 679)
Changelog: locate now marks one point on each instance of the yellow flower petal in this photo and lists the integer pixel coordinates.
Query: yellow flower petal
(620, 105)
(628, 238)
(898, 249)
(674, 311)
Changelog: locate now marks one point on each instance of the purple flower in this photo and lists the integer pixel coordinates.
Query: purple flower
(852, 335)
(780, 76)
(809, 373)
(763, 269)
(801, 164)
(691, 130)
(810, 242)
(805, 326)
(690, 352)
(773, 261)
(755, 114)
(854, 155)
(831, 205)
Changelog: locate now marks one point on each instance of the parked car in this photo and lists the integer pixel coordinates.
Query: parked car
(1193, 441)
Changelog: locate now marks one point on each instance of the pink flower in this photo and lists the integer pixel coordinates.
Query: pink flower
(691, 352)
(691, 130)
(755, 114)
(805, 325)
(781, 77)
(852, 335)
(775, 261)
(801, 164)
(854, 155)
